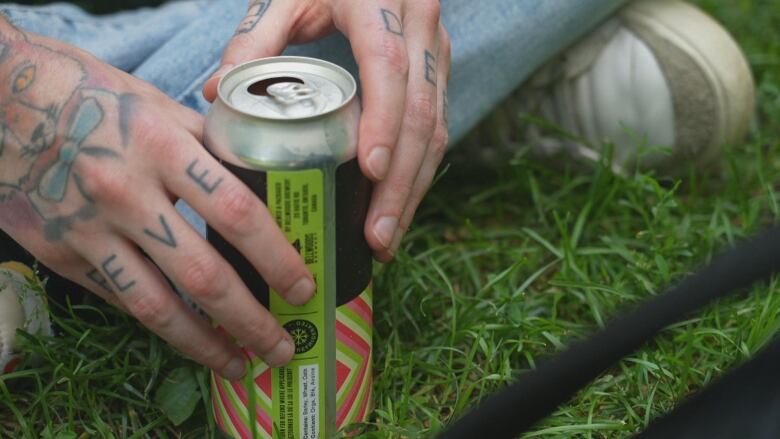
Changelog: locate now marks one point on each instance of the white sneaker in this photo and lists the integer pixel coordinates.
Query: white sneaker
(661, 82)
(21, 307)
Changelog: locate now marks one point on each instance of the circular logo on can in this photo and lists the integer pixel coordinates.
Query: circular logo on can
(304, 334)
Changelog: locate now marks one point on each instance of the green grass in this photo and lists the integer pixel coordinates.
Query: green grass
(503, 268)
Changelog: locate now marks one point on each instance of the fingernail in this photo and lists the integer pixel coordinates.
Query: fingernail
(222, 70)
(384, 230)
(379, 162)
(235, 370)
(280, 354)
(301, 292)
(397, 238)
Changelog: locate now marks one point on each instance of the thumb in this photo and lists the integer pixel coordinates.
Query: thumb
(263, 32)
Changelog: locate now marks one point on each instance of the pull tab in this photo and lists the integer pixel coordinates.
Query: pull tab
(289, 93)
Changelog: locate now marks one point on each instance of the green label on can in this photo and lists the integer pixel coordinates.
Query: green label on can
(295, 199)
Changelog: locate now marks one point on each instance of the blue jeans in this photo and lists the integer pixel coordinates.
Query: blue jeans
(496, 45)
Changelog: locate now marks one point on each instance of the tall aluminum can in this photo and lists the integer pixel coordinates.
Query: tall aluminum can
(287, 127)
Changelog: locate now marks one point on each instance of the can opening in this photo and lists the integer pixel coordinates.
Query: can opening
(260, 88)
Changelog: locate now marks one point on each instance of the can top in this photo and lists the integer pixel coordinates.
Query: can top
(287, 88)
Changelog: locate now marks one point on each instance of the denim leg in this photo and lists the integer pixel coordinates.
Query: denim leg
(186, 61)
(123, 39)
(181, 65)
(496, 45)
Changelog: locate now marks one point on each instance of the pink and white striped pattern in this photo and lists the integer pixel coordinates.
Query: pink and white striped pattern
(354, 330)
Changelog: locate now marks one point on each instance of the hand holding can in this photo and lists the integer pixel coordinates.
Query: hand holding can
(287, 127)
(92, 162)
(403, 51)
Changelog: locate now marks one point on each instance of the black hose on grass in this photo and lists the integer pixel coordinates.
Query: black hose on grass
(538, 393)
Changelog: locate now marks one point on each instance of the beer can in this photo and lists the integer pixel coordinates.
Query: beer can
(287, 127)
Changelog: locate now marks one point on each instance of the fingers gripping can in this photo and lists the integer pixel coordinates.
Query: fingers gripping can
(287, 127)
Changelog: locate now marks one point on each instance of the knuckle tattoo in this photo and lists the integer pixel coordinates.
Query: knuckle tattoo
(255, 13)
(200, 175)
(430, 68)
(164, 235)
(114, 270)
(97, 278)
(393, 24)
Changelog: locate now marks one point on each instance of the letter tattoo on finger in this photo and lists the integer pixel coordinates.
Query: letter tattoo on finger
(392, 22)
(257, 8)
(430, 68)
(114, 274)
(166, 237)
(445, 114)
(95, 276)
(200, 179)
